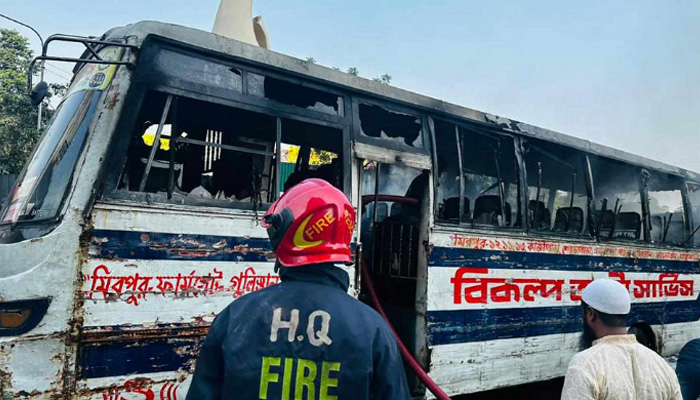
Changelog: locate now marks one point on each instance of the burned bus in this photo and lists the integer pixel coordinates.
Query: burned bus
(137, 219)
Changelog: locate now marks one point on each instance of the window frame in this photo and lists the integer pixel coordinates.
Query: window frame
(154, 44)
(688, 206)
(467, 126)
(138, 91)
(646, 204)
(388, 144)
(587, 233)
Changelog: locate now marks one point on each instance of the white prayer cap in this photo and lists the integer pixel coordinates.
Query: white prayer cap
(607, 296)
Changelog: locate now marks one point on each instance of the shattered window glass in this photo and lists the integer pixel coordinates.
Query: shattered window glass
(489, 177)
(379, 122)
(666, 209)
(557, 196)
(214, 155)
(618, 201)
(200, 70)
(294, 94)
(694, 197)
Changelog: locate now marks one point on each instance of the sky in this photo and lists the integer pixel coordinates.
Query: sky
(622, 73)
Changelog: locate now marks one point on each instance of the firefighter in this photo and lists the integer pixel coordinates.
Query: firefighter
(304, 338)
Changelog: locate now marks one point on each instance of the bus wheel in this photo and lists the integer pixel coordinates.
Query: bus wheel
(644, 334)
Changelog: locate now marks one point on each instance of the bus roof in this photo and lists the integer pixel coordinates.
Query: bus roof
(249, 53)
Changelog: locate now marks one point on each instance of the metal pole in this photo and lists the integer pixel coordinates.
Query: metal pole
(38, 121)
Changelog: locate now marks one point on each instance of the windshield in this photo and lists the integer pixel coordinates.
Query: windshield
(38, 194)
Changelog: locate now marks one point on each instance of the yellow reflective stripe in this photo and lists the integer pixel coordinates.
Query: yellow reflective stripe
(266, 376)
(306, 374)
(326, 381)
(287, 379)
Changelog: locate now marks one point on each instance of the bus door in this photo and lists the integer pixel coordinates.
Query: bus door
(393, 222)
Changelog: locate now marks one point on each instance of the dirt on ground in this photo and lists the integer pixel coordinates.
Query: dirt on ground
(548, 390)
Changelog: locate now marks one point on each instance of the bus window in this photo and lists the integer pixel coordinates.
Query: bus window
(298, 162)
(557, 196)
(210, 154)
(293, 94)
(379, 122)
(666, 214)
(489, 177)
(694, 198)
(619, 205)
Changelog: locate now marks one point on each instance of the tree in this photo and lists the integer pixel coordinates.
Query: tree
(18, 117)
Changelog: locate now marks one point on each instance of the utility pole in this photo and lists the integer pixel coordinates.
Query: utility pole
(38, 120)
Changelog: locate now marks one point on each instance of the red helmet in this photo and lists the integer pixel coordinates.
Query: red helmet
(311, 223)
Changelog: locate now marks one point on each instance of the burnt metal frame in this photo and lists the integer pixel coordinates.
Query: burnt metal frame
(394, 107)
(482, 130)
(348, 122)
(688, 226)
(92, 46)
(153, 44)
(586, 234)
(143, 81)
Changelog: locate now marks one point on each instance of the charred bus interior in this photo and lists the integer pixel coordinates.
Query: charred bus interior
(211, 154)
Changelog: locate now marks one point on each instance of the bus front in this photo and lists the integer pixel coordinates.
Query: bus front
(43, 220)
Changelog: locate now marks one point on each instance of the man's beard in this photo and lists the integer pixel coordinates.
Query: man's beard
(587, 337)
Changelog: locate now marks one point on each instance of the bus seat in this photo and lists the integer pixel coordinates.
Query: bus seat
(488, 208)
(395, 209)
(451, 208)
(575, 222)
(544, 215)
(628, 225)
(605, 220)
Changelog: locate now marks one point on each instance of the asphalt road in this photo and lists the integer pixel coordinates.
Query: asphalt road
(549, 390)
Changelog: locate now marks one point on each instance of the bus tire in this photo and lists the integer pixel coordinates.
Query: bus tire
(644, 334)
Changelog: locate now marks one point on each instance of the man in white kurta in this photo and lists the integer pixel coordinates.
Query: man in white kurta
(615, 367)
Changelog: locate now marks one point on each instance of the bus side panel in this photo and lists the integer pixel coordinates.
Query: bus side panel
(505, 311)
(155, 279)
(40, 269)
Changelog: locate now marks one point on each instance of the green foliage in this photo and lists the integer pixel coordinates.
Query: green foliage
(385, 78)
(18, 118)
(310, 60)
(353, 71)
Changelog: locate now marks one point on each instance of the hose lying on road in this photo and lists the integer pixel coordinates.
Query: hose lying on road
(407, 356)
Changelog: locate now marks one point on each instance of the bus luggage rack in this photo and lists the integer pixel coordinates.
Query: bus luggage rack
(92, 46)
(395, 250)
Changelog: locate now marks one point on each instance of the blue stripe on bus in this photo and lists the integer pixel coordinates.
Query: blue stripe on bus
(112, 244)
(454, 257)
(128, 357)
(464, 326)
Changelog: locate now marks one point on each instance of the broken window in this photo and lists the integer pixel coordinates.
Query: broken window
(557, 196)
(196, 69)
(486, 190)
(401, 128)
(618, 208)
(694, 199)
(212, 154)
(294, 94)
(666, 215)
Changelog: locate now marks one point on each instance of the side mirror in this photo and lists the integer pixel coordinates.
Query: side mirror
(39, 93)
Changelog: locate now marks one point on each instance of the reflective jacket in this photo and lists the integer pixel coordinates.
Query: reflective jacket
(304, 338)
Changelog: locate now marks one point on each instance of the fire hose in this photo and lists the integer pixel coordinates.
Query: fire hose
(407, 356)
